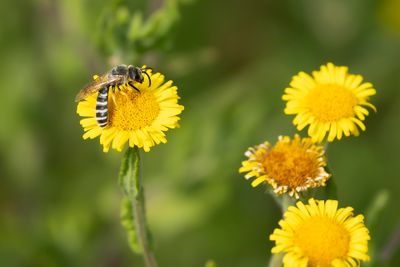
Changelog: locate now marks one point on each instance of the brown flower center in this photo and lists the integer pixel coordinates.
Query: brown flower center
(290, 163)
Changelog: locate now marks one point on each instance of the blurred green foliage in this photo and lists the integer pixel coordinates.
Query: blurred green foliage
(123, 32)
(59, 198)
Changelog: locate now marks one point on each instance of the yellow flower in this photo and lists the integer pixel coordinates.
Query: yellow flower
(139, 119)
(289, 166)
(332, 102)
(320, 234)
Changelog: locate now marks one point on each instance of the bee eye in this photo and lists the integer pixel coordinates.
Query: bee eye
(135, 74)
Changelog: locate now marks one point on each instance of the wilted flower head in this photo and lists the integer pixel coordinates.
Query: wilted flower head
(291, 165)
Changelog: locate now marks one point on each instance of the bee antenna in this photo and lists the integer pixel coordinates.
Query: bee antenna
(147, 68)
(148, 77)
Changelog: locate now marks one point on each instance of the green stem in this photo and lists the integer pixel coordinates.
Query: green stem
(275, 260)
(284, 202)
(131, 183)
(141, 227)
(326, 146)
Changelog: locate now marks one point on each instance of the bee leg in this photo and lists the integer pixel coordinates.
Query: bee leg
(146, 68)
(134, 87)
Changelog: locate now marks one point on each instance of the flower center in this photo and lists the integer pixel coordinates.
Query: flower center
(330, 102)
(322, 240)
(290, 164)
(132, 110)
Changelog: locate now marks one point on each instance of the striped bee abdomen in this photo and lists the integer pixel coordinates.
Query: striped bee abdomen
(102, 107)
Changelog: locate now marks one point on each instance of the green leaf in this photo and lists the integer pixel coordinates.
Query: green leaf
(129, 182)
(135, 25)
(129, 174)
(375, 208)
(372, 216)
(133, 208)
(126, 30)
(127, 222)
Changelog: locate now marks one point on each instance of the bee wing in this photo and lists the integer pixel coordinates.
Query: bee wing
(96, 85)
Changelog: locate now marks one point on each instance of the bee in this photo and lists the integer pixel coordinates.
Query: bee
(118, 75)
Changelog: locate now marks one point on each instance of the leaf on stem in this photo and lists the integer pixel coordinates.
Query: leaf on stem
(127, 223)
(133, 203)
(129, 174)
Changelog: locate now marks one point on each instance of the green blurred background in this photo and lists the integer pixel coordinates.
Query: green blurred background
(59, 197)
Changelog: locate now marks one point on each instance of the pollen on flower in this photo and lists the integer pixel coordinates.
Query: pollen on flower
(132, 110)
(323, 240)
(291, 165)
(331, 102)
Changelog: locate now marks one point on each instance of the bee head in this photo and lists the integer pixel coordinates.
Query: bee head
(135, 74)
